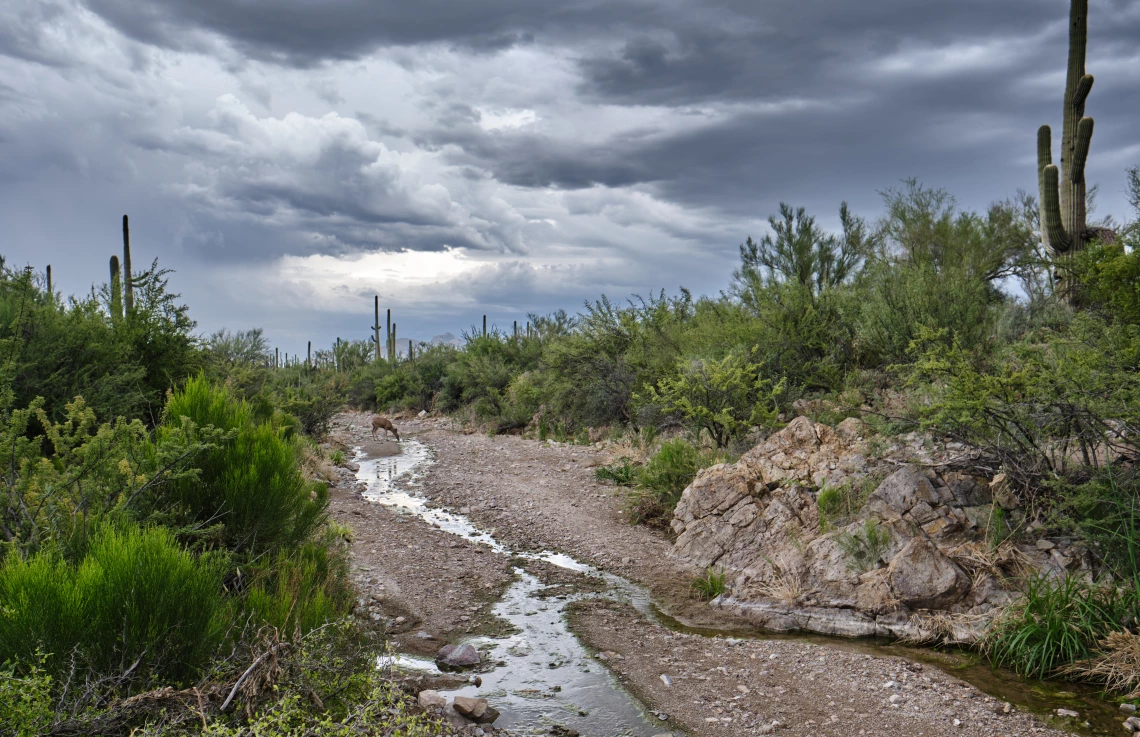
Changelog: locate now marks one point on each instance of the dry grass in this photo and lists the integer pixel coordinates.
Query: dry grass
(1005, 563)
(947, 628)
(1117, 666)
(786, 583)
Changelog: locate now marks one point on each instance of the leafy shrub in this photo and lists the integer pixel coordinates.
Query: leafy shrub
(1110, 280)
(709, 585)
(1056, 622)
(136, 596)
(723, 397)
(864, 547)
(26, 708)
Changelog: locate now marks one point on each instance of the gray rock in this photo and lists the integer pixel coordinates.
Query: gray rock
(430, 698)
(475, 709)
(922, 577)
(458, 656)
(904, 488)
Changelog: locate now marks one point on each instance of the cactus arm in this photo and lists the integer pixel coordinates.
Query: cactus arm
(1051, 211)
(1081, 150)
(1084, 86)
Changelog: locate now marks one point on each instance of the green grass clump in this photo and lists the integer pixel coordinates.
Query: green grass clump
(864, 548)
(337, 457)
(839, 504)
(709, 585)
(622, 473)
(1056, 622)
(137, 598)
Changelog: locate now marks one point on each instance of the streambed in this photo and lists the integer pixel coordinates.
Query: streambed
(543, 676)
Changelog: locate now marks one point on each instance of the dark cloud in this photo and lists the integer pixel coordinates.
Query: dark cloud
(666, 132)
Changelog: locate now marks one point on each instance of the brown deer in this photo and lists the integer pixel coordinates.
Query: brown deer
(379, 422)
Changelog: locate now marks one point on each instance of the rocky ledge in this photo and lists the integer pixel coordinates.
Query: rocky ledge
(918, 557)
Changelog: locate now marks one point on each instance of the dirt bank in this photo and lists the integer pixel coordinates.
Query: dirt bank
(540, 497)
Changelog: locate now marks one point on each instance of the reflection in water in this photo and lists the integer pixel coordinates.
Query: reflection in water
(545, 654)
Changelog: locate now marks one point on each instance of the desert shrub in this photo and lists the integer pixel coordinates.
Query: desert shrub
(709, 585)
(661, 481)
(1110, 280)
(302, 589)
(723, 398)
(26, 708)
(250, 482)
(120, 367)
(1043, 408)
(137, 605)
(864, 547)
(1056, 622)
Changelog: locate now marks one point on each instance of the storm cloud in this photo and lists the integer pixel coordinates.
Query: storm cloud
(290, 159)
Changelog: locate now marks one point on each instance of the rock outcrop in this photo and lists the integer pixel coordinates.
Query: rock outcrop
(893, 544)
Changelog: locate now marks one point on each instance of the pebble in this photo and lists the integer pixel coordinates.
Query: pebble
(1129, 708)
(1068, 713)
(666, 680)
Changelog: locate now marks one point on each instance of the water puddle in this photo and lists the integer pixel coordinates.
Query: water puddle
(543, 675)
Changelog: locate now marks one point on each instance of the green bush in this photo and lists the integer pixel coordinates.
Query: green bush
(838, 504)
(26, 708)
(622, 473)
(303, 589)
(137, 604)
(661, 481)
(251, 482)
(723, 398)
(1056, 622)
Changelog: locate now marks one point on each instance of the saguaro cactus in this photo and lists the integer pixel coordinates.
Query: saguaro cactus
(128, 284)
(116, 290)
(51, 293)
(393, 357)
(1064, 230)
(376, 327)
(389, 345)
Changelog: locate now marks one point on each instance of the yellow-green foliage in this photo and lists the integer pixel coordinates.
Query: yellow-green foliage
(25, 698)
(723, 398)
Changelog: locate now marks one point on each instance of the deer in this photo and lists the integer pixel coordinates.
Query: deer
(384, 423)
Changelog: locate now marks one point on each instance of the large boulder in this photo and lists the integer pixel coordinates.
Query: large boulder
(458, 656)
(475, 709)
(904, 489)
(922, 577)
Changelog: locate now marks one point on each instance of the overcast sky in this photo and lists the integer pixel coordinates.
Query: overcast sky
(292, 158)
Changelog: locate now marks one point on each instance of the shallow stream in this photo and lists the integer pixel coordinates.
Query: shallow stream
(544, 676)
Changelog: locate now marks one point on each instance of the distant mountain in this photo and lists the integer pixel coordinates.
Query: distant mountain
(446, 339)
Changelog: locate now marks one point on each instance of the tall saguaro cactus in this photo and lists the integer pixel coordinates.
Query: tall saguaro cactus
(128, 284)
(1064, 230)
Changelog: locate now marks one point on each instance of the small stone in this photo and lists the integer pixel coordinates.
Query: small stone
(431, 698)
(895, 699)
(1129, 708)
(399, 620)
(477, 680)
(666, 680)
(890, 684)
(1045, 545)
(957, 722)
(424, 635)
(1132, 724)
(465, 510)
(742, 688)
(1067, 713)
